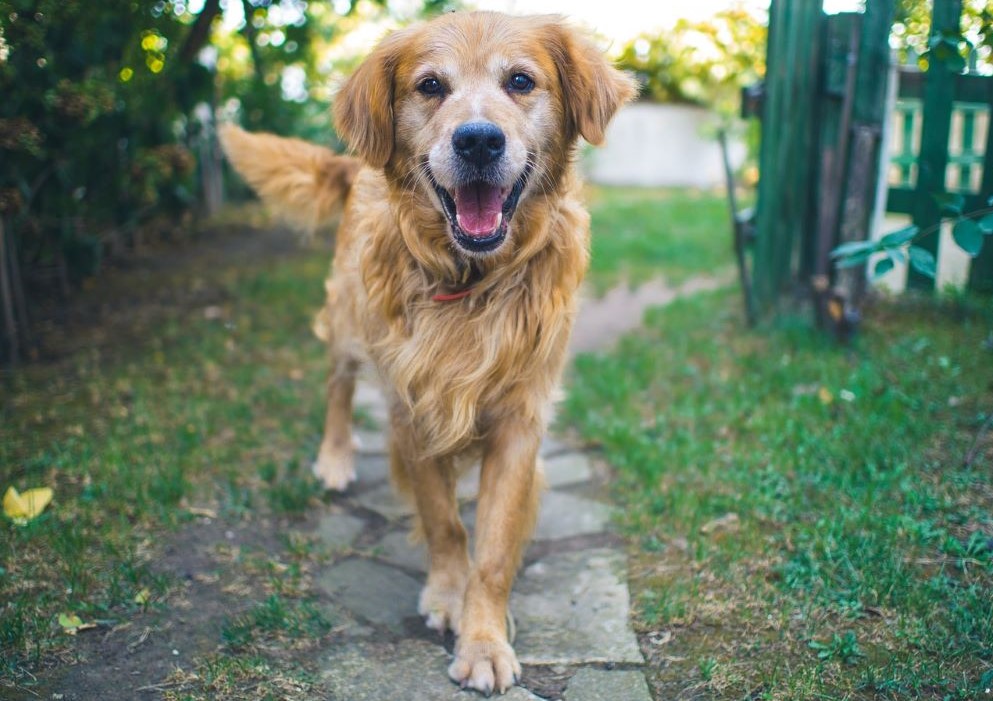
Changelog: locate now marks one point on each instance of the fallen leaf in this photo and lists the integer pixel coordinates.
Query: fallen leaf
(72, 624)
(824, 394)
(727, 522)
(23, 507)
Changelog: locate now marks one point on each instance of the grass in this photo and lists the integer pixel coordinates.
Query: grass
(640, 232)
(856, 563)
(802, 521)
(212, 408)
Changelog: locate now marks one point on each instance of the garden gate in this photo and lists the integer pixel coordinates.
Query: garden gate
(823, 112)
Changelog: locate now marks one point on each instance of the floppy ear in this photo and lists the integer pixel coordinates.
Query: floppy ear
(592, 88)
(363, 107)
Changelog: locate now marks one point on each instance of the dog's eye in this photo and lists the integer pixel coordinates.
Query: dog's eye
(520, 82)
(430, 87)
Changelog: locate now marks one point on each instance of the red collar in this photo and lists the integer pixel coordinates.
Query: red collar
(452, 296)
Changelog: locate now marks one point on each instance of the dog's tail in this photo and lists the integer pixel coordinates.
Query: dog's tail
(302, 183)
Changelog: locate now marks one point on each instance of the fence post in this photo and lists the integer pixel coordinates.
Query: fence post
(981, 272)
(868, 114)
(785, 213)
(939, 92)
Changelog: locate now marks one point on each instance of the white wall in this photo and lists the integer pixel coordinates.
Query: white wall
(660, 145)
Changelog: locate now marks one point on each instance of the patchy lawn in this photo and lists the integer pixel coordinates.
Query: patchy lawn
(804, 519)
(182, 405)
(190, 392)
(640, 233)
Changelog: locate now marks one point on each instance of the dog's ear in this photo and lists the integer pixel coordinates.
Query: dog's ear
(363, 107)
(593, 90)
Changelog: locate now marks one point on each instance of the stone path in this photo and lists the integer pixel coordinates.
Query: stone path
(570, 601)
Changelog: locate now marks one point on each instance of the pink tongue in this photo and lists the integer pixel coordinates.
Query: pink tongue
(477, 208)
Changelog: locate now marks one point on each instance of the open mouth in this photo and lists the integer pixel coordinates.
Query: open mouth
(479, 212)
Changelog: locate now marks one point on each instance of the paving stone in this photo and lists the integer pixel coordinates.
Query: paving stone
(566, 469)
(339, 530)
(370, 399)
(560, 471)
(565, 515)
(371, 442)
(551, 446)
(468, 484)
(412, 670)
(396, 549)
(371, 469)
(572, 608)
(383, 501)
(598, 685)
(378, 593)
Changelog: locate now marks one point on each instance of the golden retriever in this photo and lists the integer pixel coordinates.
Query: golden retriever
(459, 254)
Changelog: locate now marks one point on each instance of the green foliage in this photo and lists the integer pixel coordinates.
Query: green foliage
(969, 232)
(844, 648)
(705, 62)
(88, 123)
(912, 35)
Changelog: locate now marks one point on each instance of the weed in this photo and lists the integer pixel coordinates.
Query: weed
(276, 617)
(844, 648)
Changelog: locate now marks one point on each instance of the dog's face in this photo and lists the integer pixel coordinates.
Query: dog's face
(478, 111)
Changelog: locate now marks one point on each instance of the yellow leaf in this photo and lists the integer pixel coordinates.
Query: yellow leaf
(142, 597)
(824, 394)
(71, 622)
(21, 508)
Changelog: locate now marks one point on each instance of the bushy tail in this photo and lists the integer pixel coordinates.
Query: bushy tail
(304, 184)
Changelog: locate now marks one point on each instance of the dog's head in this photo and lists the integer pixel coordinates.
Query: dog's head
(478, 111)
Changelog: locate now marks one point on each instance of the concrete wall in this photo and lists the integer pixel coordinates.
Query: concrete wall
(659, 145)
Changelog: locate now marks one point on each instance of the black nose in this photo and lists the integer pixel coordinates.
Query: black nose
(479, 143)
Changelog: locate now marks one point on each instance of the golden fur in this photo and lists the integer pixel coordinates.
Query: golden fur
(473, 375)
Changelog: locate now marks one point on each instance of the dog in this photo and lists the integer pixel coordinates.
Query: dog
(460, 250)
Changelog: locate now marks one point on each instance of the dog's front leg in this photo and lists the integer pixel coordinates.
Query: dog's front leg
(508, 504)
(432, 481)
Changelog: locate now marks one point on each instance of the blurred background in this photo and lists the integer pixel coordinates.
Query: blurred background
(798, 449)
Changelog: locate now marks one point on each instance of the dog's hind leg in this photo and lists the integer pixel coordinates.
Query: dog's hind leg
(335, 465)
(509, 492)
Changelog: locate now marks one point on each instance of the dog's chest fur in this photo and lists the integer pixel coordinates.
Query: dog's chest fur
(454, 363)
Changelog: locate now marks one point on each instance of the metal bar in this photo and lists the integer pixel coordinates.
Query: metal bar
(738, 227)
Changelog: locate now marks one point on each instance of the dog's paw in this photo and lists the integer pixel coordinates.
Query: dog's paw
(441, 606)
(335, 468)
(486, 666)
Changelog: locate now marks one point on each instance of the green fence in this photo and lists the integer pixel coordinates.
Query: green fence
(822, 123)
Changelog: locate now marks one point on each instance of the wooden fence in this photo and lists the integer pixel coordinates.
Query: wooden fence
(823, 118)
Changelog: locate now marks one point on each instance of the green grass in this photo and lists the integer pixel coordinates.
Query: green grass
(132, 439)
(639, 234)
(859, 560)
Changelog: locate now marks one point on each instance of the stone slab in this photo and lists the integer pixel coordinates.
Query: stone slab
(397, 549)
(338, 530)
(371, 470)
(412, 670)
(370, 442)
(370, 399)
(566, 469)
(565, 516)
(551, 446)
(572, 608)
(598, 685)
(376, 592)
(384, 502)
